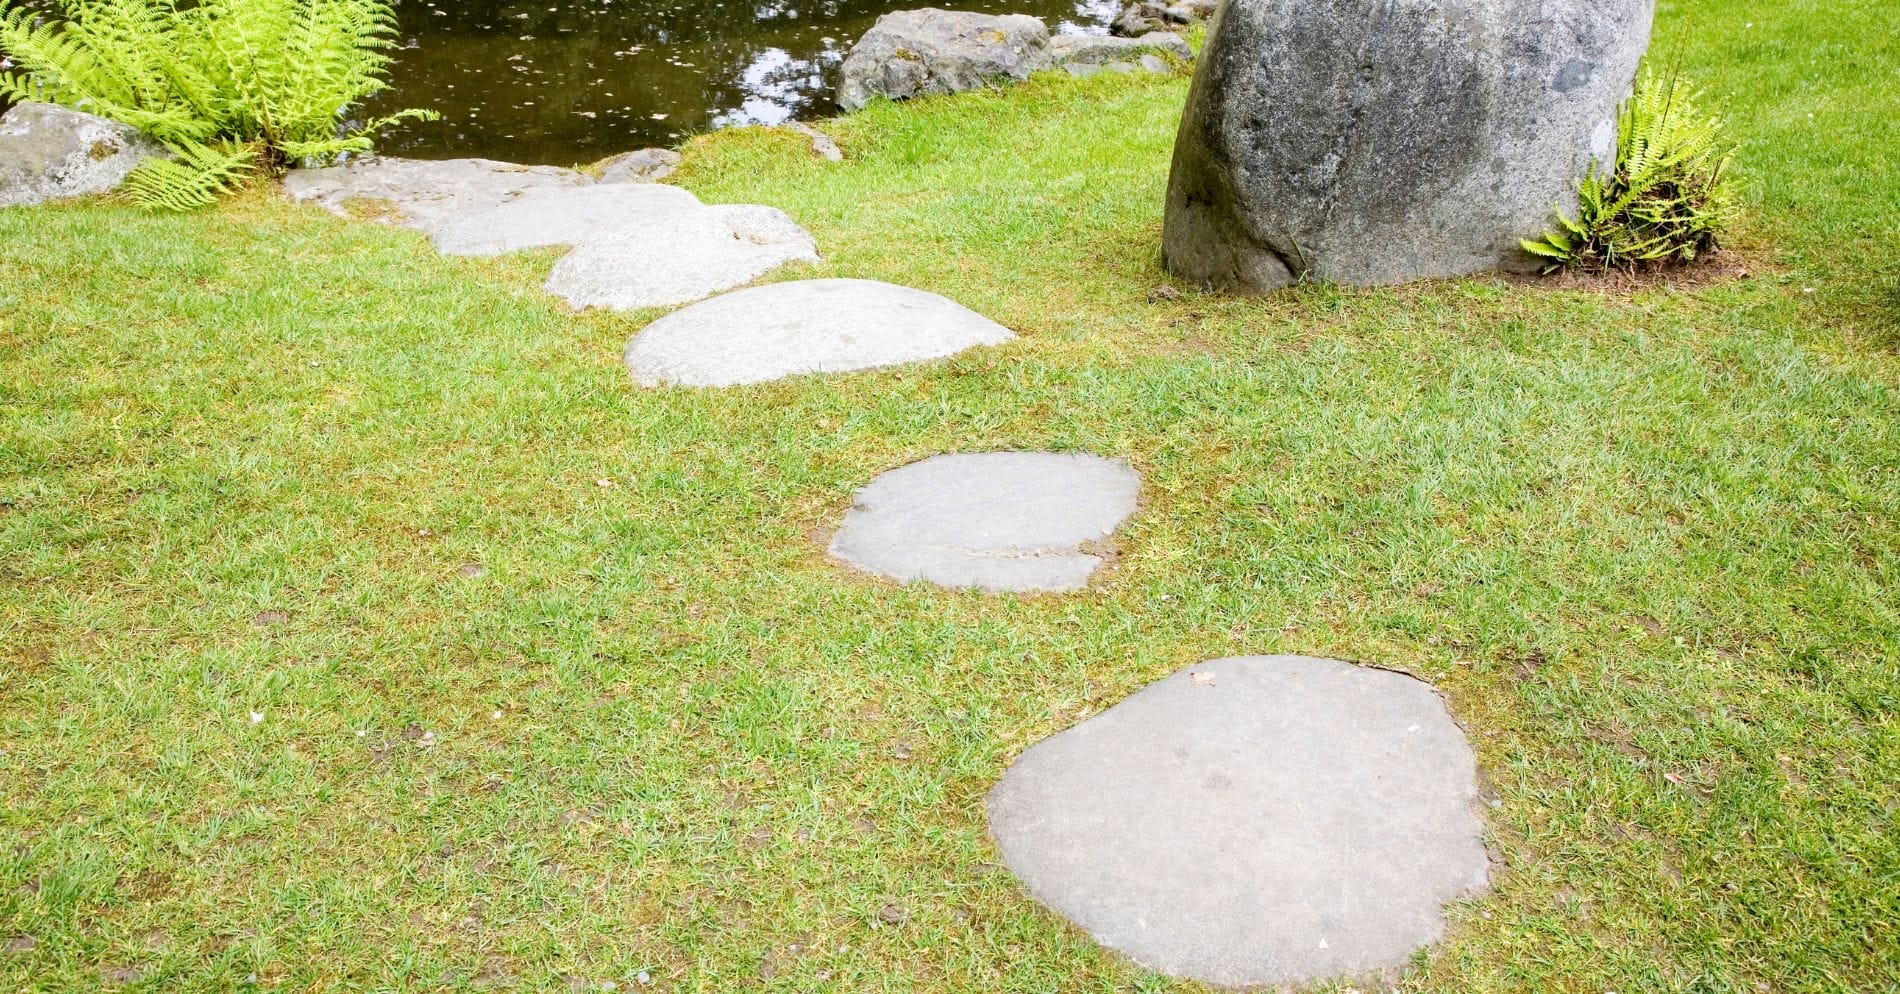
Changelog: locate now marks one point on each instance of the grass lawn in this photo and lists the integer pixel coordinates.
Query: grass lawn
(363, 629)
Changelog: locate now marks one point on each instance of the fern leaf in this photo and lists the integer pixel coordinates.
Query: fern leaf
(207, 77)
(196, 178)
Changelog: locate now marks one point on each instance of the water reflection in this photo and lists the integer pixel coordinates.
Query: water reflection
(569, 81)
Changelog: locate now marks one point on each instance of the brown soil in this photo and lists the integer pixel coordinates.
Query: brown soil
(1712, 269)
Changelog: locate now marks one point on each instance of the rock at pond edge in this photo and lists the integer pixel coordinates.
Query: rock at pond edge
(48, 152)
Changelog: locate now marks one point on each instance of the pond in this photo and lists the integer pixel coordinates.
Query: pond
(564, 82)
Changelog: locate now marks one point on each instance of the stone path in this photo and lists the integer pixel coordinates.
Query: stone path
(807, 326)
(423, 195)
(999, 521)
(634, 244)
(1258, 820)
(1247, 821)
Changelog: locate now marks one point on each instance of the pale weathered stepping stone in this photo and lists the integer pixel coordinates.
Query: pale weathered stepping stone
(1258, 820)
(808, 326)
(634, 244)
(1015, 521)
(420, 194)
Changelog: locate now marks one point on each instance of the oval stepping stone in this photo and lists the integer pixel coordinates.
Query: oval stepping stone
(1258, 820)
(807, 326)
(1017, 521)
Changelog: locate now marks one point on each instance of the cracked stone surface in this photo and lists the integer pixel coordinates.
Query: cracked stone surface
(1255, 820)
(998, 521)
(805, 326)
(642, 166)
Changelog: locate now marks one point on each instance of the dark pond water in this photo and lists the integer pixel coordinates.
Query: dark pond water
(571, 81)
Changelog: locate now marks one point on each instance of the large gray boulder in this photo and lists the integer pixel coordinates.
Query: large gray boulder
(912, 53)
(48, 152)
(1253, 821)
(1372, 143)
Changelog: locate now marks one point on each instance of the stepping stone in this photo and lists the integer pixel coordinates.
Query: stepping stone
(419, 194)
(1001, 521)
(634, 244)
(807, 326)
(1250, 821)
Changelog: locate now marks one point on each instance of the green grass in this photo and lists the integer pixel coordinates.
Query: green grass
(262, 461)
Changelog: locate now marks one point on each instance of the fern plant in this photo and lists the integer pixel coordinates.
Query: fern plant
(233, 87)
(1667, 197)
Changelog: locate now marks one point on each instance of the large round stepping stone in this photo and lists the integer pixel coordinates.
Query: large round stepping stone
(1259, 820)
(1016, 521)
(807, 326)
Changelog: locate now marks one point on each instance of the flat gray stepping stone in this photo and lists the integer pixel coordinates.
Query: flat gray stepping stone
(807, 326)
(1258, 820)
(419, 194)
(1013, 521)
(634, 244)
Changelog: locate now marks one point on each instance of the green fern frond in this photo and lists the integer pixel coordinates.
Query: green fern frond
(196, 178)
(1666, 197)
(274, 76)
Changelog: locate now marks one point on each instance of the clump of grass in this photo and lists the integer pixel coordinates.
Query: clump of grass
(1664, 201)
